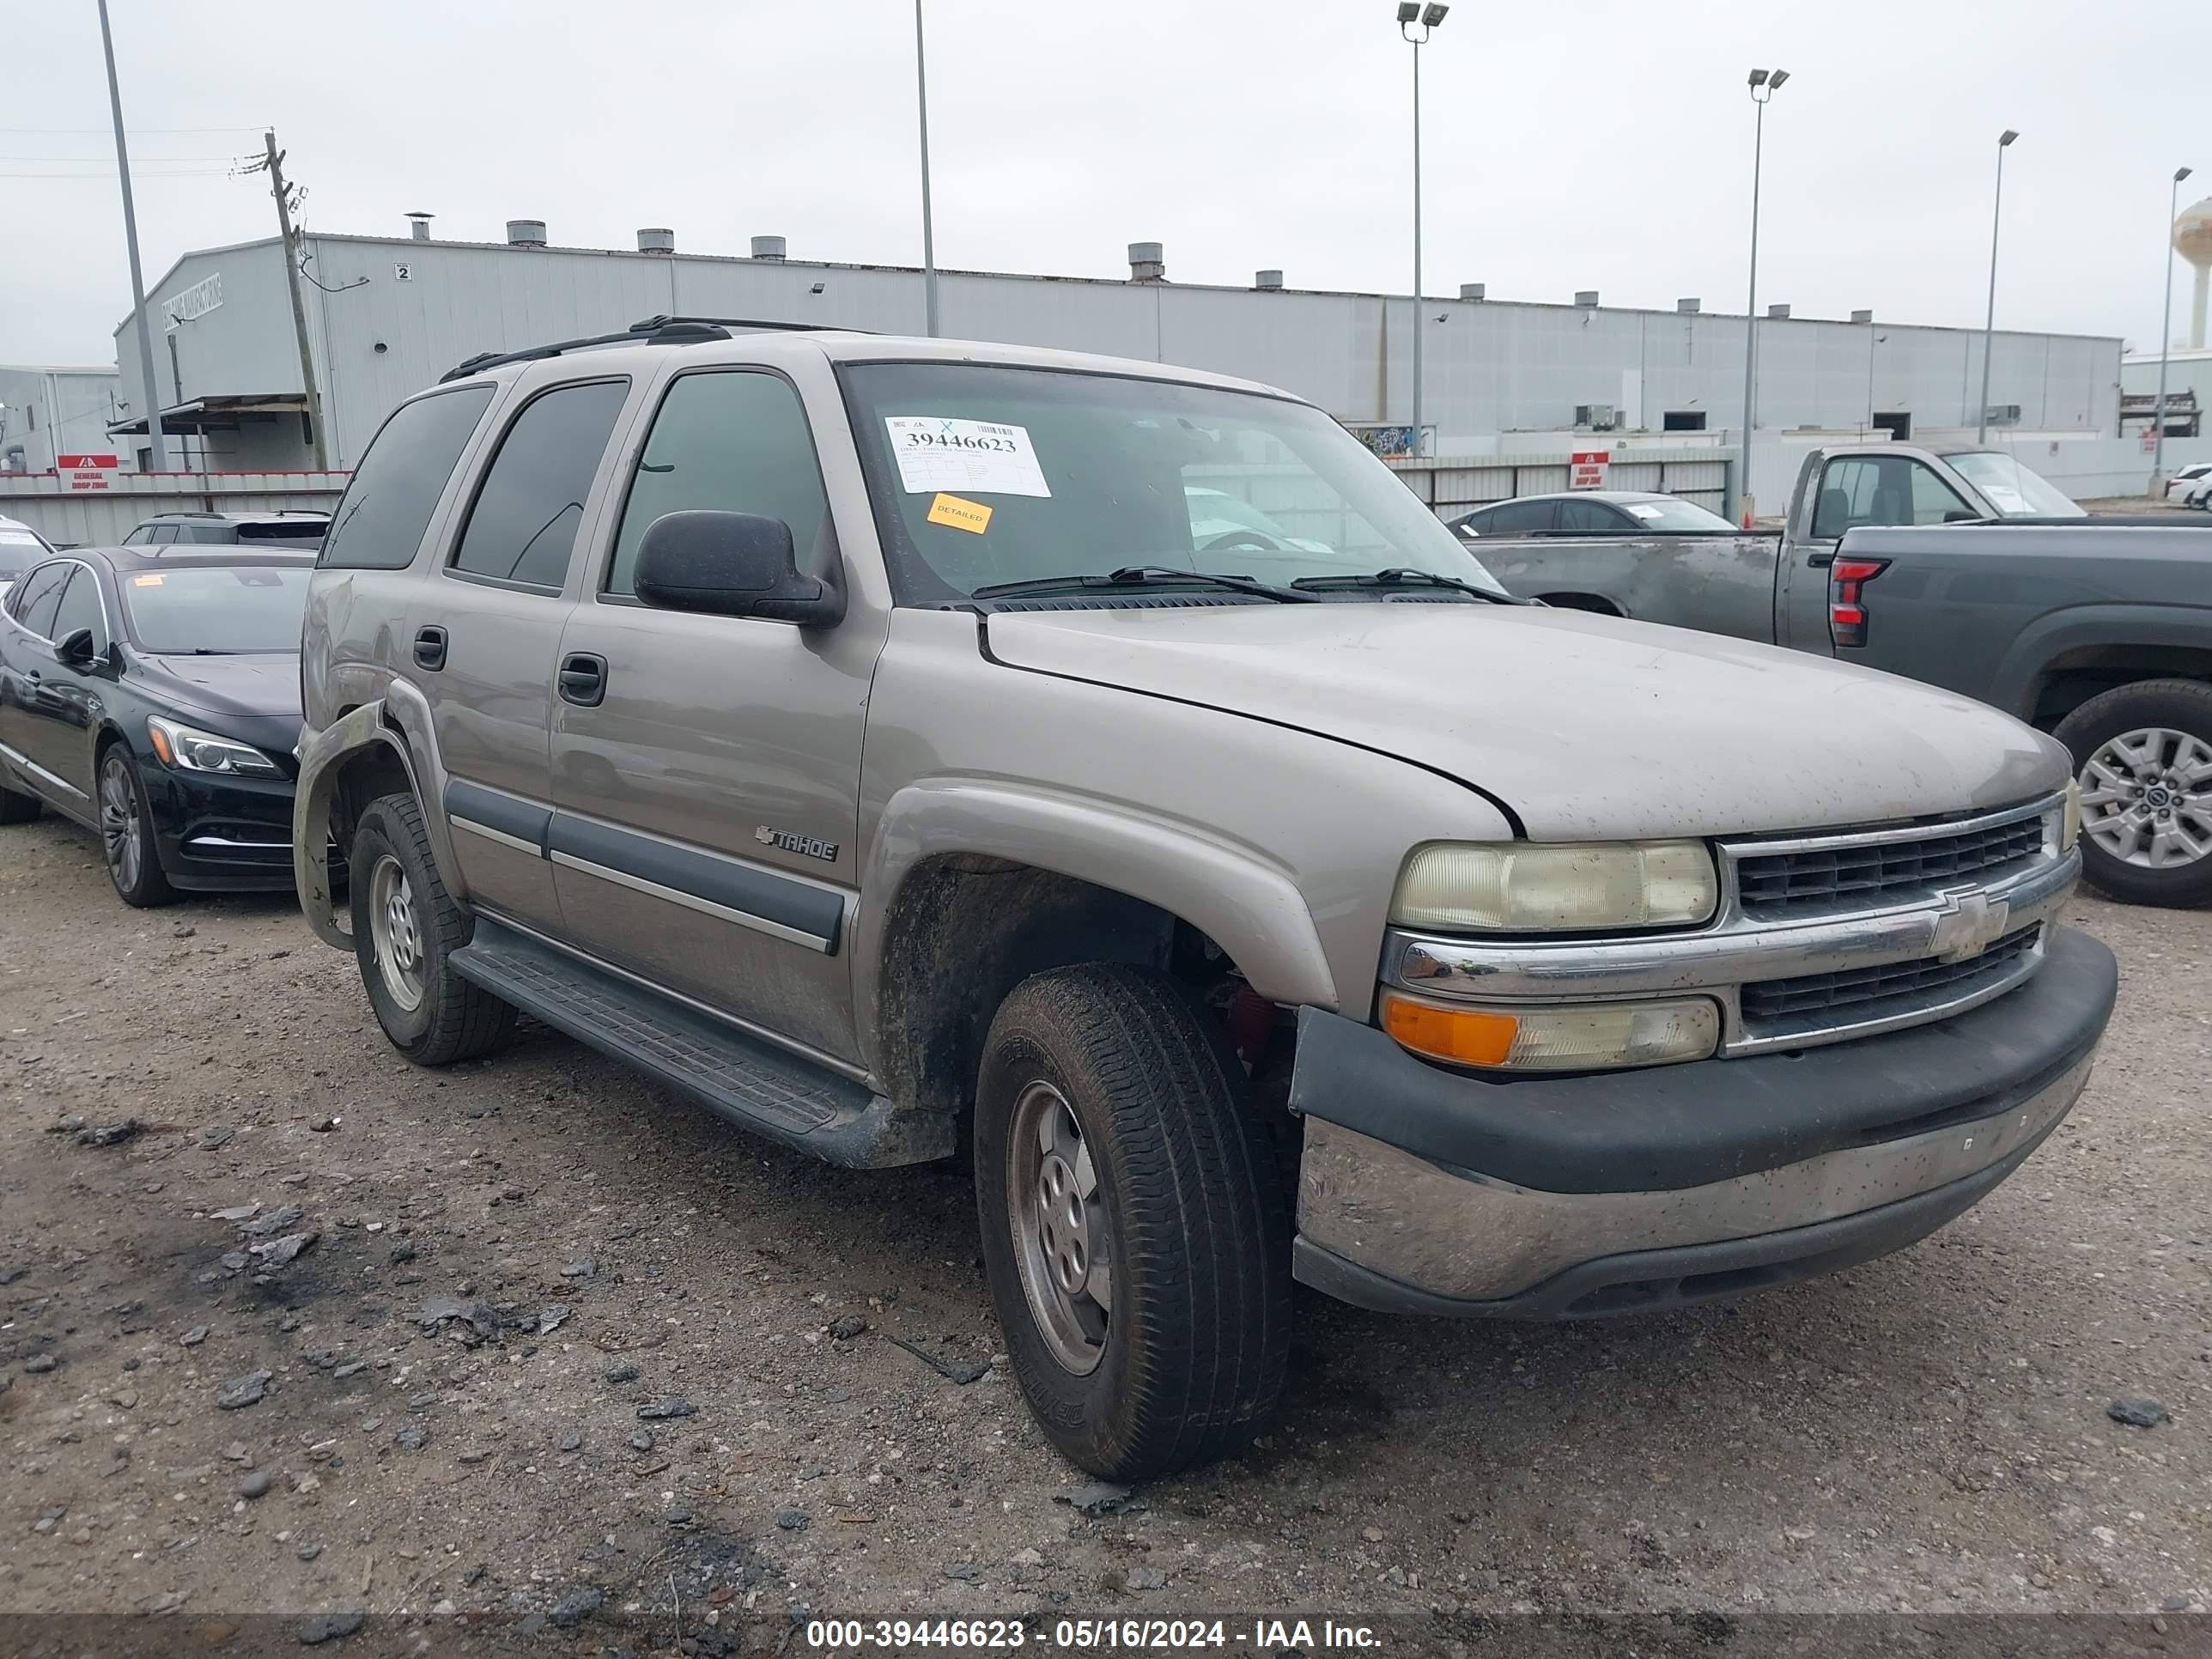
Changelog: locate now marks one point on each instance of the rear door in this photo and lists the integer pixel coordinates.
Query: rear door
(485, 628)
(706, 781)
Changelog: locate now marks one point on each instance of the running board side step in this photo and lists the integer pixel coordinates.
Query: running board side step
(753, 1084)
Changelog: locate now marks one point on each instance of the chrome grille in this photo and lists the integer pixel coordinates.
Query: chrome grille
(1783, 884)
(1871, 993)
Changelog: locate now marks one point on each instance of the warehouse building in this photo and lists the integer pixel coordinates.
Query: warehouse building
(386, 316)
(49, 412)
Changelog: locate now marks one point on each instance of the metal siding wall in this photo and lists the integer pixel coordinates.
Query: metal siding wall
(103, 518)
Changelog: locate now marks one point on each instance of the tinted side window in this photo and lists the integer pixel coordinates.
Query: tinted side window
(34, 602)
(523, 527)
(139, 537)
(1590, 519)
(726, 442)
(1520, 518)
(81, 608)
(387, 506)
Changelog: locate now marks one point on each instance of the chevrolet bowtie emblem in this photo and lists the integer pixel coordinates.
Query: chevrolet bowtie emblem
(1975, 923)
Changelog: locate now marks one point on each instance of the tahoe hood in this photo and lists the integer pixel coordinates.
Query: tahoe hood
(1588, 727)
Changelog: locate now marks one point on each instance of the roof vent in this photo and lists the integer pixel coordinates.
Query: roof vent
(418, 226)
(1267, 279)
(525, 232)
(1862, 316)
(1689, 306)
(656, 241)
(1474, 290)
(1777, 312)
(768, 248)
(1586, 298)
(1148, 263)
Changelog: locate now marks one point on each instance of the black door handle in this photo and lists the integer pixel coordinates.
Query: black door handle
(1821, 560)
(430, 649)
(583, 679)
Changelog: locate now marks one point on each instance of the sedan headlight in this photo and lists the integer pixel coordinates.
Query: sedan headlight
(1571, 1036)
(190, 749)
(1529, 887)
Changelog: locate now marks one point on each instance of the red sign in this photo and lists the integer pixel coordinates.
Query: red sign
(1587, 468)
(85, 471)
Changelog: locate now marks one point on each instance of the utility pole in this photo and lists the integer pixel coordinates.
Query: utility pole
(273, 162)
(1764, 84)
(157, 452)
(928, 238)
(1989, 322)
(2165, 340)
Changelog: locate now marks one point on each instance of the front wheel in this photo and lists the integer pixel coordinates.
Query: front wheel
(2143, 756)
(126, 834)
(404, 929)
(1135, 1230)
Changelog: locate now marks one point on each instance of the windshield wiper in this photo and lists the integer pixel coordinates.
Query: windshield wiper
(1139, 575)
(1399, 576)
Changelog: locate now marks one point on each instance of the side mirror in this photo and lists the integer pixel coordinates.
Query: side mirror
(1960, 515)
(74, 649)
(731, 564)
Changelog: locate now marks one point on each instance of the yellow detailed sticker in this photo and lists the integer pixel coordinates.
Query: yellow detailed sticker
(974, 517)
(154, 580)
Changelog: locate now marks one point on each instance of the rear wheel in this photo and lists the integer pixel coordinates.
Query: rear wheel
(405, 930)
(126, 834)
(1134, 1229)
(2143, 755)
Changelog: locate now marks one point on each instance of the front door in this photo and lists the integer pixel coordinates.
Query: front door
(27, 661)
(481, 642)
(706, 770)
(66, 703)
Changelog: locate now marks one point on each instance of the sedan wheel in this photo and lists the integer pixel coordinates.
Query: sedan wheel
(126, 834)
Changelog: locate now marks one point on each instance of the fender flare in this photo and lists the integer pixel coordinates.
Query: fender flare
(1245, 903)
(323, 759)
(2026, 665)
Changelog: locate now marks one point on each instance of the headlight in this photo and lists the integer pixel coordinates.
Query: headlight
(1526, 887)
(1558, 1037)
(191, 751)
(2070, 816)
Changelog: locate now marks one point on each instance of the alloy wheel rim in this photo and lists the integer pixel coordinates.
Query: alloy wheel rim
(1063, 1241)
(2147, 798)
(393, 933)
(119, 836)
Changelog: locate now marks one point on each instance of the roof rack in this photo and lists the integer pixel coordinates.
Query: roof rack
(661, 329)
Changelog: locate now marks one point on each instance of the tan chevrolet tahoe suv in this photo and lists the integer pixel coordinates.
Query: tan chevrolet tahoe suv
(1111, 772)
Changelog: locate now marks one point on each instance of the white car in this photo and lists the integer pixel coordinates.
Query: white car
(2192, 486)
(21, 546)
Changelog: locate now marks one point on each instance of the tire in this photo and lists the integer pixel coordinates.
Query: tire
(404, 929)
(2140, 749)
(127, 842)
(16, 808)
(1183, 1360)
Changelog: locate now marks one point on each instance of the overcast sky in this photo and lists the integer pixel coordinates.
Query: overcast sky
(1566, 146)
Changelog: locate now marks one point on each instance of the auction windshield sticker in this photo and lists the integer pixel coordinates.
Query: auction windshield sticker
(964, 458)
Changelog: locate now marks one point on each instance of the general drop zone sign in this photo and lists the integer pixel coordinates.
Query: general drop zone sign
(85, 471)
(1587, 468)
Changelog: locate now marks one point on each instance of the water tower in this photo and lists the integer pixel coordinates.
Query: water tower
(2192, 239)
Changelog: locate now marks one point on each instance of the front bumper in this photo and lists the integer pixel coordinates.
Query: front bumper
(1428, 1190)
(220, 834)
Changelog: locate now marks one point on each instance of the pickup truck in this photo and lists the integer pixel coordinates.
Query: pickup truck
(2099, 630)
(872, 740)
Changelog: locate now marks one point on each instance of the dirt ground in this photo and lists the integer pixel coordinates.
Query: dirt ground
(561, 1349)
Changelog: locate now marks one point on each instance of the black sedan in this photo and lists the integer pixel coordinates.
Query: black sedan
(153, 695)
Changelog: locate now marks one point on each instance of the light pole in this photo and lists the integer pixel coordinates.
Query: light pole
(1873, 340)
(1764, 84)
(928, 238)
(1412, 15)
(2164, 338)
(1989, 322)
(157, 452)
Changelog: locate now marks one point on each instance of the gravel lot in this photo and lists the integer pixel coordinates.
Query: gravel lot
(666, 1368)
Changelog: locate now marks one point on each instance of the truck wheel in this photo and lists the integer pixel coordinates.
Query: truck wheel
(404, 927)
(1135, 1229)
(2143, 754)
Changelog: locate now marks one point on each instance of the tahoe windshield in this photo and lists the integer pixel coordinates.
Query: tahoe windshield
(985, 476)
(219, 610)
(2014, 490)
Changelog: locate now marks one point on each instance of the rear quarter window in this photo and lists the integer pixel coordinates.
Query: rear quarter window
(379, 522)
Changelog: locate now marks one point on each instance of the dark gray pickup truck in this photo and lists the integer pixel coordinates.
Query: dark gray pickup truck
(1957, 570)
